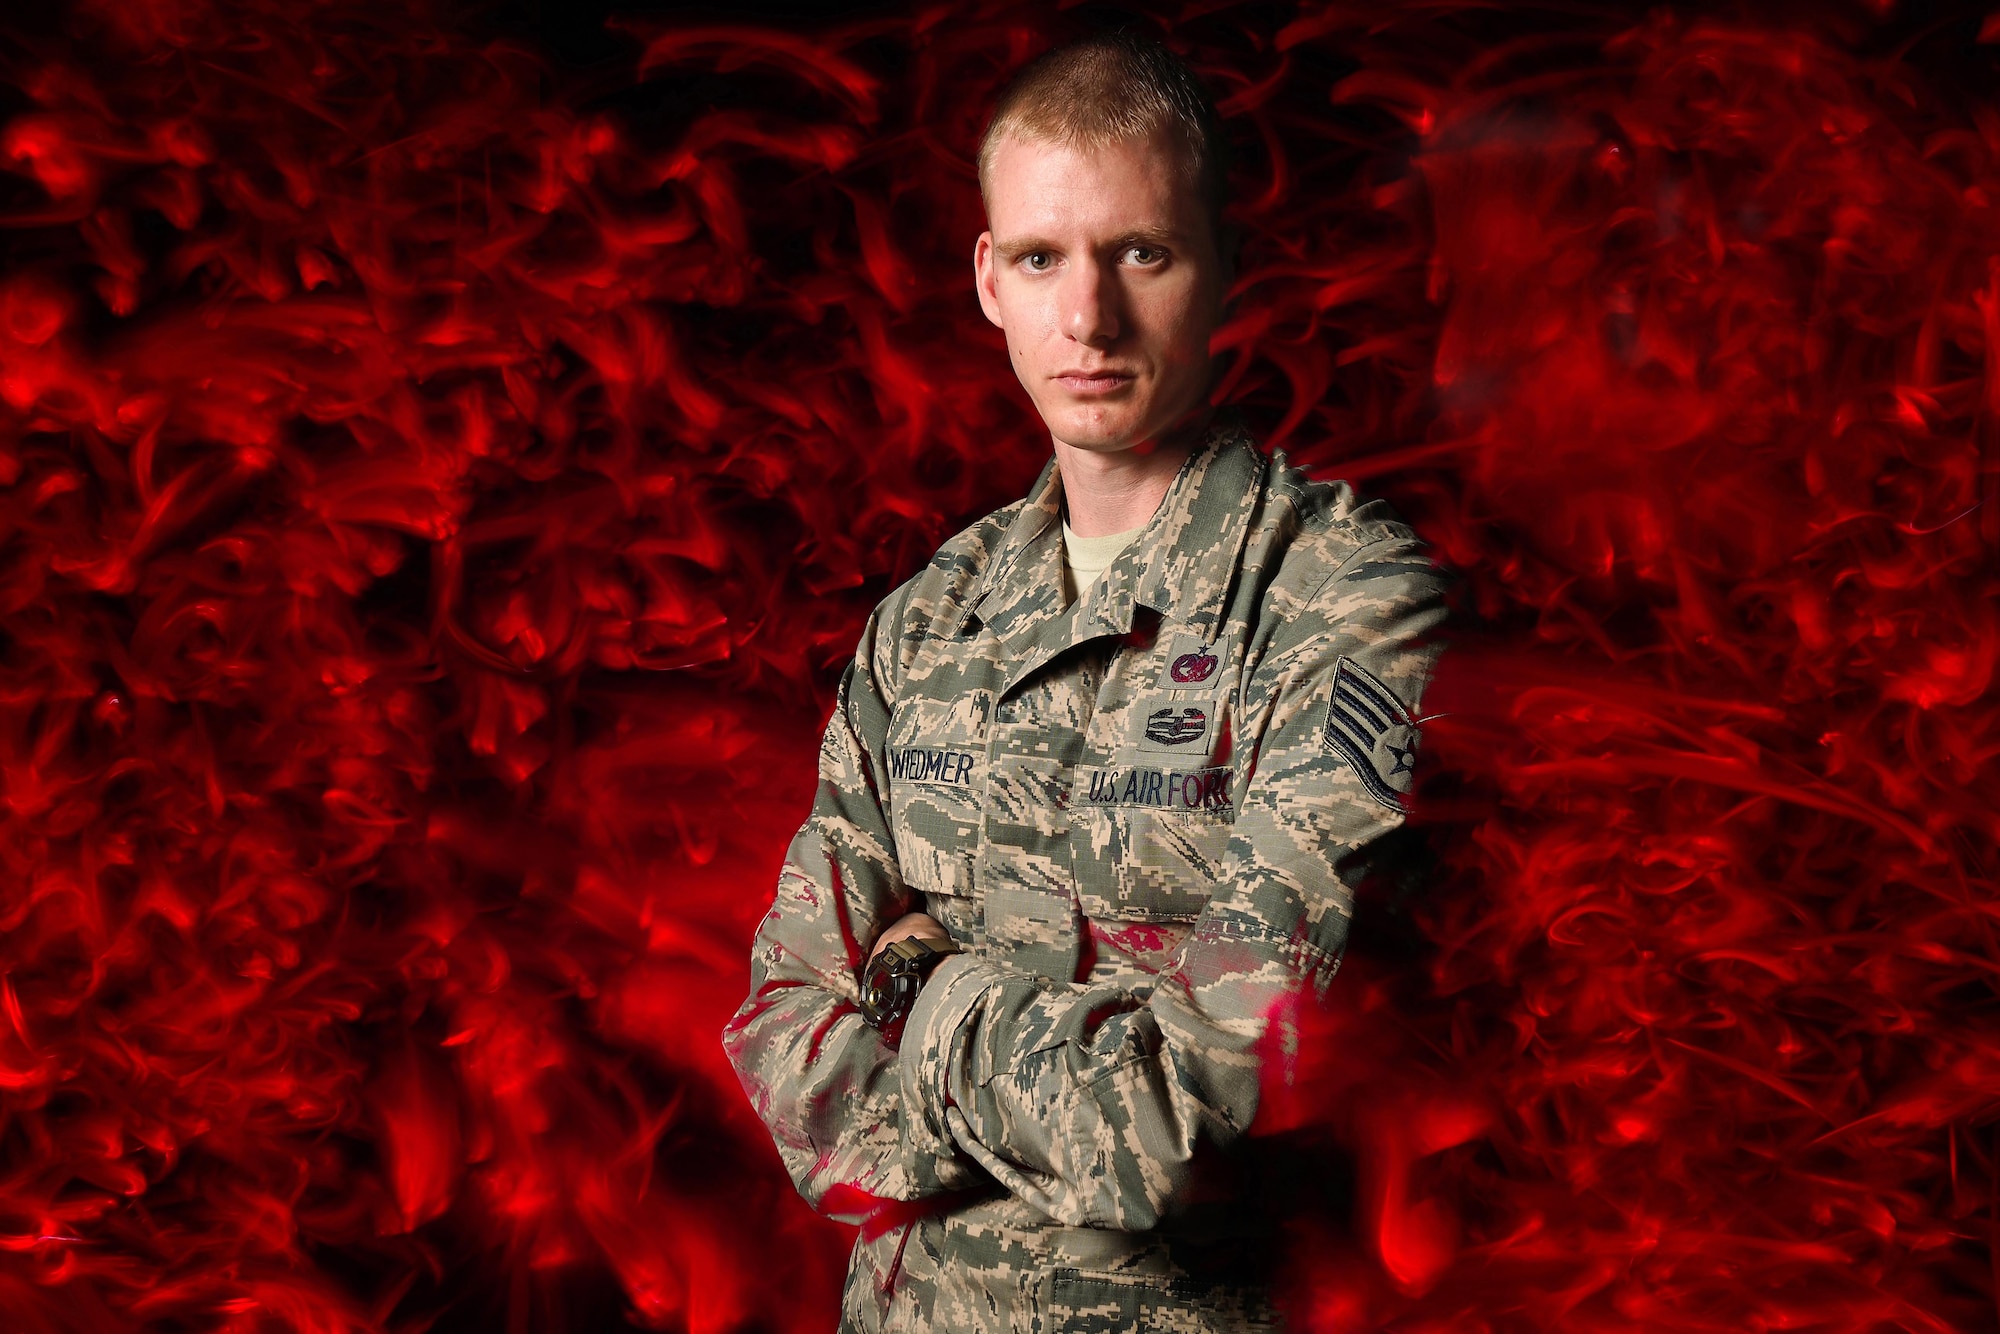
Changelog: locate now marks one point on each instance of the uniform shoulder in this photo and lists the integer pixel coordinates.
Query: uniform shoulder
(1328, 521)
(1334, 556)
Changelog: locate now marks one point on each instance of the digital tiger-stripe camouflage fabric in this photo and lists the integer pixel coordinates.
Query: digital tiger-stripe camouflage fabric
(1142, 814)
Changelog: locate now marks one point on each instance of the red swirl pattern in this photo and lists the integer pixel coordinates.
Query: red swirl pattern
(440, 478)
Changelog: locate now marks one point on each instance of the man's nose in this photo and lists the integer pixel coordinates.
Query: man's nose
(1091, 314)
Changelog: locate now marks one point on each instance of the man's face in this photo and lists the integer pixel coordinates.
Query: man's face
(1102, 270)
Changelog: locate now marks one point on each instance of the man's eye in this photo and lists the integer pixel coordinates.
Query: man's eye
(1038, 261)
(1146, 254)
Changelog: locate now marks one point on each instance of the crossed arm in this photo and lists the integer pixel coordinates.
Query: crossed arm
(1086, 1100)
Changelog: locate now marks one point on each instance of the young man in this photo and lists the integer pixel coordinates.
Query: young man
(1097, 785)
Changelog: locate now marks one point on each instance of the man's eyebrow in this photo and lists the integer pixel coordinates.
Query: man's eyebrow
(1016, 246)
(1159, 236)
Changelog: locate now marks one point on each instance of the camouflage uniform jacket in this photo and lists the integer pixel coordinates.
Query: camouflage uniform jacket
(1140, 814)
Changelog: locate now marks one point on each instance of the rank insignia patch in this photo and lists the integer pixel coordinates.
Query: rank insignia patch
(1367, 726)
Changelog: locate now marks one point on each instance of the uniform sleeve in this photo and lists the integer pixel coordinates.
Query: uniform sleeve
(824, 1081)
(1090, 1100)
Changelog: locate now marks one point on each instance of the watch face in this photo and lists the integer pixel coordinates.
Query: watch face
(890, 981)
(886, 990)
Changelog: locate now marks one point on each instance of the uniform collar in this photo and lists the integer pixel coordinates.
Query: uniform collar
(1180, 565)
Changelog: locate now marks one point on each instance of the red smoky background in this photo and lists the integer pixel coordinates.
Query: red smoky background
(446, 453)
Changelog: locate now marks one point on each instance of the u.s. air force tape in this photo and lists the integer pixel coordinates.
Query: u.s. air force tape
(1205, 789)
(1372, 730)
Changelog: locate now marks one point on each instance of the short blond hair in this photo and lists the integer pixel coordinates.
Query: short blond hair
(1108, 88)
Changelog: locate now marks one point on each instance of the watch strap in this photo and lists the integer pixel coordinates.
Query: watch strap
(921, 951)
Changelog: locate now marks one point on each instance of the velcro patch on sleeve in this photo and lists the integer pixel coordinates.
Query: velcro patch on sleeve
(1370, 728)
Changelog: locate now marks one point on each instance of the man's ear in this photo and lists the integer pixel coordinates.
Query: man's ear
(984, 278)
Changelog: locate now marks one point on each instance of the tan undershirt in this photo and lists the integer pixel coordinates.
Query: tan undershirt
(1084, 558)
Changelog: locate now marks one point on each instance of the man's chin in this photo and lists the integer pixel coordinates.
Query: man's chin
(1118, 442)
(1112, 429)
(1093, 434)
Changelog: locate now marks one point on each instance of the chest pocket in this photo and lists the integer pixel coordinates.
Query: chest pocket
(1154, 823)
(936, 769)
(1148, 866)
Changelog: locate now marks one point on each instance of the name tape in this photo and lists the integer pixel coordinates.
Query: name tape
(1161, 789)
(926, 764)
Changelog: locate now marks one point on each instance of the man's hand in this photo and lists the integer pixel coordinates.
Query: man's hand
(909, 924)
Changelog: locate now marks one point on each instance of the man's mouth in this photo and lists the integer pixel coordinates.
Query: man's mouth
(1093, 382)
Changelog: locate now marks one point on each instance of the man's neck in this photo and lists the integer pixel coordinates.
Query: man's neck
(1106, 492)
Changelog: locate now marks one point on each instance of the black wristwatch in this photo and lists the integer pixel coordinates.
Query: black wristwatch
(890, 982)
